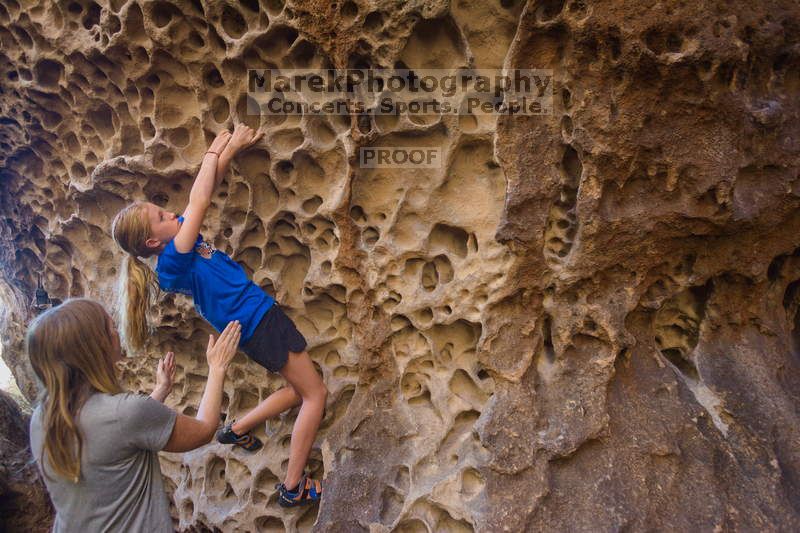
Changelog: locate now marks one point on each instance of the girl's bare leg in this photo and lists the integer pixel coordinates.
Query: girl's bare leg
(273, 405)
(299, 371)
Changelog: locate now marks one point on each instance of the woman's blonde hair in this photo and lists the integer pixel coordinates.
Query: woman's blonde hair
(130, 230)
(70, 348)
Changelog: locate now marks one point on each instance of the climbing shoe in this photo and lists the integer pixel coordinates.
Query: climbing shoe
(248, 441)
(307, 491)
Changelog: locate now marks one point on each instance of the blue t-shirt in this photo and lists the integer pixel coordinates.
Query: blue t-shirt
(219, 286)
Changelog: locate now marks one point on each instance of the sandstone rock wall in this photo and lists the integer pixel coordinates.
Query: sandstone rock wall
(584, 321)
(24, 503)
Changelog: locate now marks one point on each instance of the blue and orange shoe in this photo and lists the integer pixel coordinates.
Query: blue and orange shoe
(248, 441)
(307, 491)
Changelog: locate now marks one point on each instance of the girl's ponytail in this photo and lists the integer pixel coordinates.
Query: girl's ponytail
(130, 230)
(135, 284)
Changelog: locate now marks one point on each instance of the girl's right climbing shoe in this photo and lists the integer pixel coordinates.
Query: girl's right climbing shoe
(307, 491)
(248, 441)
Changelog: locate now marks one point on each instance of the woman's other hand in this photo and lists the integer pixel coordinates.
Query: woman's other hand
(165, 377)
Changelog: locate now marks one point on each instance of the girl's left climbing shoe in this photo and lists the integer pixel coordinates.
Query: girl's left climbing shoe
(248, 441)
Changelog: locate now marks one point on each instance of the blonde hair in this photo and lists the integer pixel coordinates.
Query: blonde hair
(130, 230)
(70, 349)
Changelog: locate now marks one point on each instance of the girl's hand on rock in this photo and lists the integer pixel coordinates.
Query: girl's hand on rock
(220, 141)
(243, 137)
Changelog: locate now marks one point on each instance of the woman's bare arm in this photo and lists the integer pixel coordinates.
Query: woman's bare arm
(190, 433)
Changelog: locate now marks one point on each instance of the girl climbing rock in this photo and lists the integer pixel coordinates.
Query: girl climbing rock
(222, 292)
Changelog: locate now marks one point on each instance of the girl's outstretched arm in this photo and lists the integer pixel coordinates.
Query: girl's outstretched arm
(200, 195)
(215, 166)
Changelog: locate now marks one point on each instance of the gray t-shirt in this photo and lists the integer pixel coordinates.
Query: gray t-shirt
(120, 487)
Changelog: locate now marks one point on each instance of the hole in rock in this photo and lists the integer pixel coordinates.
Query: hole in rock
(449, 238)
(233, 23)
(373, 21)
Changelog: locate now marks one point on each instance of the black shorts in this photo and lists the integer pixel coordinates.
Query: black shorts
(273, 339)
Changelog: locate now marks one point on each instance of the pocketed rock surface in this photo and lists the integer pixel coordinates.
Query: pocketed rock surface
(24, 503)
(585, 321)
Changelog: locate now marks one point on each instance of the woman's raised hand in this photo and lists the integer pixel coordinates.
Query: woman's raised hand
(220, 351)
(220, 142)
(243, 137)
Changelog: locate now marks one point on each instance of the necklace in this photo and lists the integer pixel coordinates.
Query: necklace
(205, 249)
